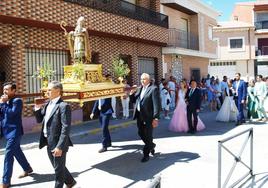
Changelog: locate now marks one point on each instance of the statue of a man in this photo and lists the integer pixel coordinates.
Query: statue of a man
(78, 42)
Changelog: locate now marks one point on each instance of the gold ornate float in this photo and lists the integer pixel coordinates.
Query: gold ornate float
(82, 80)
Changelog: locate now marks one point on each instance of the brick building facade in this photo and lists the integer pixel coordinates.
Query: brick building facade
(190, 45)
(32, 27)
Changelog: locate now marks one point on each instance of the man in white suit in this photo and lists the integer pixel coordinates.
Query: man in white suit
(260, 91)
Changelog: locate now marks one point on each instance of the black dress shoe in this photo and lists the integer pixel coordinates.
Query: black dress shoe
(145, 159)
(71, 184)
(102, 150)
(191, 131)
(152, 151)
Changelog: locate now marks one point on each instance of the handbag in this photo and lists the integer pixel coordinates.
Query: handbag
(168, 101)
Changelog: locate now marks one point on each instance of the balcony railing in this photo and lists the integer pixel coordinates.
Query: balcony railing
(261, 25)
(126, 9)
(183, 39)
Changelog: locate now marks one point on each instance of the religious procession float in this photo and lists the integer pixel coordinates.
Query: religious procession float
(84, 81)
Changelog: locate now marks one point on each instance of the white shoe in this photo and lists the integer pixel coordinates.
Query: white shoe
(167, 117)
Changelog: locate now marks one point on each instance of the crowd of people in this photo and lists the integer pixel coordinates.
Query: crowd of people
(233, 98)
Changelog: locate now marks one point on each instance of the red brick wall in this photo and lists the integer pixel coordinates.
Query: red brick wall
(54, 11)
(150, 4)
(48, 39)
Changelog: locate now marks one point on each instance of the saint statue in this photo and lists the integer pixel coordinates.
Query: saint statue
(78, 42)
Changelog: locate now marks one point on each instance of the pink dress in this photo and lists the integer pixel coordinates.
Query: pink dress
(179, 122)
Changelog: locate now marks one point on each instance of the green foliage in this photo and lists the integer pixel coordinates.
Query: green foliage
(78, 71)
(44, 72)
(120, 69)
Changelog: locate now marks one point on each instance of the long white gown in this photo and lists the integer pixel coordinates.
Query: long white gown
(228, 111)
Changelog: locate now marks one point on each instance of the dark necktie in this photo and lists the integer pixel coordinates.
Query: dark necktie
(191, 92)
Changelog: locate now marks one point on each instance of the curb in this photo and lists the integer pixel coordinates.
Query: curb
(81, 133)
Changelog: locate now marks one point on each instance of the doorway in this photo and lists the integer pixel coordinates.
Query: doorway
(5, 65)
(195, 74)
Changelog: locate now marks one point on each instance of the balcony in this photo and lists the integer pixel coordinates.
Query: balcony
(182, 39)
(261, 25)
(123, 8)
(262, 54)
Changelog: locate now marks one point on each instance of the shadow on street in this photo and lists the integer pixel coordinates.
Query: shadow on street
(129, 166)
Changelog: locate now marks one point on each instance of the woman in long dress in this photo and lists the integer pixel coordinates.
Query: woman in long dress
(179, 122)
(252, 106)
(228, 111)
(266, 99)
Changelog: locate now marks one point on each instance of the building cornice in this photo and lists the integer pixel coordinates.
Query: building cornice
(228, 60)
(217, 30)
(187, 52)
(56, 27)
(261, 32)
(195, 6)
(263, 7)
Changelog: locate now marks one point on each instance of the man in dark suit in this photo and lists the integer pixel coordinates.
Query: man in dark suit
(11, 128)
(146, 112)
(193, 101)
(240, 96)
(103, 107)
(56, 124)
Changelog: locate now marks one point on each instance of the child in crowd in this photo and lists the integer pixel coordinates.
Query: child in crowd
(166, 99)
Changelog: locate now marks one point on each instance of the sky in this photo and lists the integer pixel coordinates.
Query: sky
(225, 7)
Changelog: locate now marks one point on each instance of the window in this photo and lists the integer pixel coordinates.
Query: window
(236, 44)
(128, 6)
(183, 25)
(35, 58)
(210, 32)
(146, 65)
(262, 16)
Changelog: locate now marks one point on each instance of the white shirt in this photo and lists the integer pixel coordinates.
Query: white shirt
(141, 96)
(172, 86)
(49, 109)
(260, 89)
(99, 105)
(224, 86)
(236, 87)
(208, 82)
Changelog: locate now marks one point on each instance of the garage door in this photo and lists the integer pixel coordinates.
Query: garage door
(221, 69)
(262, 68)
(146, 65)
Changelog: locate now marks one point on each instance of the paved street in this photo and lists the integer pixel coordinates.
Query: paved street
(182, 160)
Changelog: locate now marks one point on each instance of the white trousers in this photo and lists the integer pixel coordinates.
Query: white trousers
(125, 105)
(173, 98)
(114, 106)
